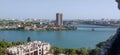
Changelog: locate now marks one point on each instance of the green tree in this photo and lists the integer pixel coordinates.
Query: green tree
(81, 51)
(19, 42)
(103, 43)
(70, 52)
(94, 51)
(56, 50)
(4, 44)
(73, 52)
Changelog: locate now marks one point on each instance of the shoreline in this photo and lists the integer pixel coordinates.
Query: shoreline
(42, 29)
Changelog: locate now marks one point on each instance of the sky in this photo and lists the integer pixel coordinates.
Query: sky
(71, 9)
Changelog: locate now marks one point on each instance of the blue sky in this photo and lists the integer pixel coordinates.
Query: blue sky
(71, 9)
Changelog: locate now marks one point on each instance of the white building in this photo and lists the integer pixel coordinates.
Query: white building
(31, 48)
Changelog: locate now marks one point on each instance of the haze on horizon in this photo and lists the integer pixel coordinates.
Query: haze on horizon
(71, 9)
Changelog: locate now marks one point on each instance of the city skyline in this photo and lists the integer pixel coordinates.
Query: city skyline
(71, 9)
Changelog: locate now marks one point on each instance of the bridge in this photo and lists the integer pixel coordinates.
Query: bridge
(94, 26)
(91, 26)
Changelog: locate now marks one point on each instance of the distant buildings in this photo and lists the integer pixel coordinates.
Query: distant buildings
(31, 48)
(59, 21)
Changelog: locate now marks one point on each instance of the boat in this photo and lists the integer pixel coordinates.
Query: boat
(92, 29)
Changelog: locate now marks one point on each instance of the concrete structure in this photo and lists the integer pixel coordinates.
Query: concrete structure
(59, 21)
(31, 48)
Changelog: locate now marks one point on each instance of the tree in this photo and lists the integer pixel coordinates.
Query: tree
(56, 50)
(19, 42)
(73, 52)
(4, 44)
(81, 51)
(94, 51)
(28, 39)
(103, 43)
(70, 51)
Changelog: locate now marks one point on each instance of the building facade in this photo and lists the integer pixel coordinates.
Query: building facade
(31, 48)
(59, 21)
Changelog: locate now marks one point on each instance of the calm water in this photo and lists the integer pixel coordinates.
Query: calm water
(83, 37)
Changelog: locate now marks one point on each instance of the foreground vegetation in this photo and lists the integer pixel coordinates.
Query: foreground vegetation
(5, 44)
(56, 50)
(78, 51)
(73, 51)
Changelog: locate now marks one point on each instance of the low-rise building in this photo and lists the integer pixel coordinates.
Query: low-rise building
(30, 48)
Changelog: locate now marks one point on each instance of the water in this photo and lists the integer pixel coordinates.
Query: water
(83, 37)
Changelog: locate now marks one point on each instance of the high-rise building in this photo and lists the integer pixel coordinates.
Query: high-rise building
(59, 21)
